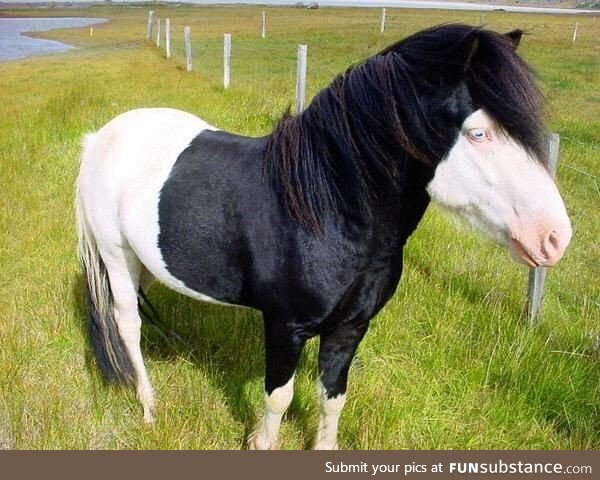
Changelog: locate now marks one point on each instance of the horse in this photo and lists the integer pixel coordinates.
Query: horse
(308, 224)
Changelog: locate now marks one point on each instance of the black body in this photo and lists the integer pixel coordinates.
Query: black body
(226, 234)
(308, 224)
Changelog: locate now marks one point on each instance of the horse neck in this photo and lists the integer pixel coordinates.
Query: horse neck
(339, 157)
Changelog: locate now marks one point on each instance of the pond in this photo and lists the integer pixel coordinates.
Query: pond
(14, 45)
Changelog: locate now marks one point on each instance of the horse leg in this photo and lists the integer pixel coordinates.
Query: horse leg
(336, 351)
(124, 269)
(146, 279)
(283, 350)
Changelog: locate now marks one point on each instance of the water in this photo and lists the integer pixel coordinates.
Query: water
(14, 45)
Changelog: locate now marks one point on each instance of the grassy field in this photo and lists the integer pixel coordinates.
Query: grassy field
(451, 362)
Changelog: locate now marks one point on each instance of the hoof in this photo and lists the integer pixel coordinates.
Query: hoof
(259, 440)
(149, 415)
(325, 446)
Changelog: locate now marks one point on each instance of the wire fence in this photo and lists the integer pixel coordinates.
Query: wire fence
(268, 65)
(263, 48)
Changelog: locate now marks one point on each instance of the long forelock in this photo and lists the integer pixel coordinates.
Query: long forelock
(509, 94)
(498, 79)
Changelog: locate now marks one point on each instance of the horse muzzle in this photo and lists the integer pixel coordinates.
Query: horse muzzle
(541, 249)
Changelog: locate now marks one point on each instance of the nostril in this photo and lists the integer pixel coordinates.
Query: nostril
(551, 244)
(553, 239)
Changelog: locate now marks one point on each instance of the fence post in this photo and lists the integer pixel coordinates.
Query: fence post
(226, 59)
(264, 25)
(382, 26)
(301, 78)
(187, 31)
(168, 37)
(150, 22)
(575, 32)
(537, 276)
(158, 32)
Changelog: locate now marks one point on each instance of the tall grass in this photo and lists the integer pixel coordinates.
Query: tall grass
(451, 361)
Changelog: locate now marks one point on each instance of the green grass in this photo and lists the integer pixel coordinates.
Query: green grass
(451, 361)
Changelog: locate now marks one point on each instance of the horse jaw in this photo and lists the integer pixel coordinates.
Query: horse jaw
(492, 183)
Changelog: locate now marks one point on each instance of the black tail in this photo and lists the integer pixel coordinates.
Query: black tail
(108, 347)
(110, 351)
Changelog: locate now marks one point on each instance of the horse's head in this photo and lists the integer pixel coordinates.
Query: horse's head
(495, 173)
(498, 187)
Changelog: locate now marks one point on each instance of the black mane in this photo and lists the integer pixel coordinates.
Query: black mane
(351, 145)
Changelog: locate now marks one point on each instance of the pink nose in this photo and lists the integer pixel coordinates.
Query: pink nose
(544, 250)
(553, 246)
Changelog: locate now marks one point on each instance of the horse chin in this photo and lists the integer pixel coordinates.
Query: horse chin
(521, 254)
(500, 236)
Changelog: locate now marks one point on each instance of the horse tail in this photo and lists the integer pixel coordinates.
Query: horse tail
(108, 347)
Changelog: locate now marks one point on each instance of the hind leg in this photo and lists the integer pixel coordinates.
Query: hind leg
(124, 270)
(146, 279)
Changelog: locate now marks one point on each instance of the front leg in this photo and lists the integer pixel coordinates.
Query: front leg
(336, 352)
(283, 348)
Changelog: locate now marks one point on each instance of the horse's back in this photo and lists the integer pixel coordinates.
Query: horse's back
(139, 143)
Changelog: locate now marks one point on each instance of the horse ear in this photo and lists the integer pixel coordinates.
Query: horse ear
(514, 37)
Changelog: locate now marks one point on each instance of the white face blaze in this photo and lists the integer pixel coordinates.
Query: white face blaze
(492, 182)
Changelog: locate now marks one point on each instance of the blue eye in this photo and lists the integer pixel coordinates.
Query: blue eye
(478, 134)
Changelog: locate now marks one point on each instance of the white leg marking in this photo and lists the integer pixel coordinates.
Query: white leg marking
(129, 324)
(129, 328)
(264, 436)
(330, 410)
(124, 271)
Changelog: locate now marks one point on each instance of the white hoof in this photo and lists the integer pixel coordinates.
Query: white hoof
(149, 418)
(149, 410)
(325, 446)
(259, 439)
(146, 398)
(258, 442)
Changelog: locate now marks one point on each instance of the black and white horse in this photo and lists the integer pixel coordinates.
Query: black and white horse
(308, 224)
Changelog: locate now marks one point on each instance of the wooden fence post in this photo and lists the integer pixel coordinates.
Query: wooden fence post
(168, 37)
(382, 26)
(158, 32)
(226, 59)
(264, 25)
(187, 32)
(150, 23)
(537, 276)
(301, 78)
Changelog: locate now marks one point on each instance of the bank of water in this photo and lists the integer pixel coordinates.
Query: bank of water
(14, 44)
